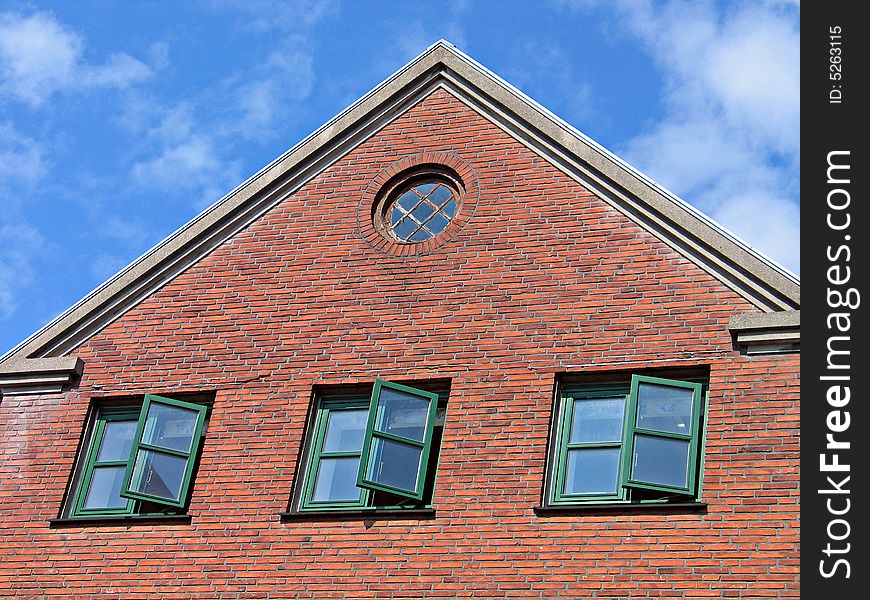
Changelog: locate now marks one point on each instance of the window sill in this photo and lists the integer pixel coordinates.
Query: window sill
(120, 521)
(621, 507)
(358, 515)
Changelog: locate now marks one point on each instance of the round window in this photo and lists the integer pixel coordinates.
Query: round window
(420, 208)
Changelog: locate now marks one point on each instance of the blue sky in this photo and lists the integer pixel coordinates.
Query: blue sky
(120, 121)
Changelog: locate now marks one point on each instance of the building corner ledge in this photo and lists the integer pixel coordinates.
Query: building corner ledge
(39, 375)
(767, 333)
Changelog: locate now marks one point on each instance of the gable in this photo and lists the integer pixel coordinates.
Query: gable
(439, 72)
(542, 264)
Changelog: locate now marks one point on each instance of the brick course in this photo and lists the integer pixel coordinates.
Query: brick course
(543, 278)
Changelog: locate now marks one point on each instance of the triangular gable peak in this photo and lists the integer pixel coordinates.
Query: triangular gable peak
(43, 362)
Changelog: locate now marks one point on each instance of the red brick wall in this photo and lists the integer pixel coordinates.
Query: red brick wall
(543, 278)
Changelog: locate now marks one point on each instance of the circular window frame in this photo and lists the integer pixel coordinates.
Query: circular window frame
(407, 181)
(385, 187)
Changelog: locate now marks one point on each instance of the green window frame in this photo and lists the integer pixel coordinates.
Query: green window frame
(614, 444)
(690, 439)
(111, 450)
(566, 446)
(149, 456)
(381, 445)
(327, 409)
(360, 418)
(103, 419)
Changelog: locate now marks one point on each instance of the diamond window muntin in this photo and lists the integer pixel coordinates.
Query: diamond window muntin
(420, 207)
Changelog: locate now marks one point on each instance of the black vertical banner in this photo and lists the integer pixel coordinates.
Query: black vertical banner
(835, 389)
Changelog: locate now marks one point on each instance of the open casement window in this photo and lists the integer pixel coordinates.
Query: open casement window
(346, 443)
(163, 451)
(665, 418)
(637, 441)
(398, 439)
(138, 460)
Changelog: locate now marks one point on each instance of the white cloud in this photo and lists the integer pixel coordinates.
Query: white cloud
(151, 121)
(724, 177)
(131, 233)
(185, 160)
(183, 149)
(284, 79)
(21, 157)
(120, 71)
(39, 57)
(766, 220)
(699, 155)
(279, 14)
(730, 137)
(20, 243)
(180, 165)
(755, 73)
(744, 66)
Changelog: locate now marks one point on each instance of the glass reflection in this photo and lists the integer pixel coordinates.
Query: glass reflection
(597, 420)
(159, 475)
(402, 414)
(394, 464)
(117, 441)
(663, 461)
(105, 488)
(336, 480)
(664, 408)
(169, 427)
(345, 431)
(592, 471)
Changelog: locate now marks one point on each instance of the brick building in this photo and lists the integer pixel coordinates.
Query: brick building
(446, 346)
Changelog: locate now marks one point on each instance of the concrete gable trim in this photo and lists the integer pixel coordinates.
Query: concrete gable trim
(767, 333)
(39, 375)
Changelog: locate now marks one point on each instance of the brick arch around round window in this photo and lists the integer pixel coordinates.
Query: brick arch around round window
(422, 164)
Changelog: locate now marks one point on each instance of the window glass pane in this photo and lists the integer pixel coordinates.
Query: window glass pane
(117, 440)
(439, 196)
(597, 420)
(394, 464)
(345, 431)
(661, 460)
(169, 427)
(423, 211)
(158, 474)
(420, 235)
(592, 471)
(336, 480)
(449, 208)
(404, 228)
(105, 488)
(402, 414)
(408, 200)
(425, 188)
(664, 408)
(437, 223)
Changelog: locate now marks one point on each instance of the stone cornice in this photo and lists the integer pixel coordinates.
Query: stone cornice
(39, 375)
(766, 333)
